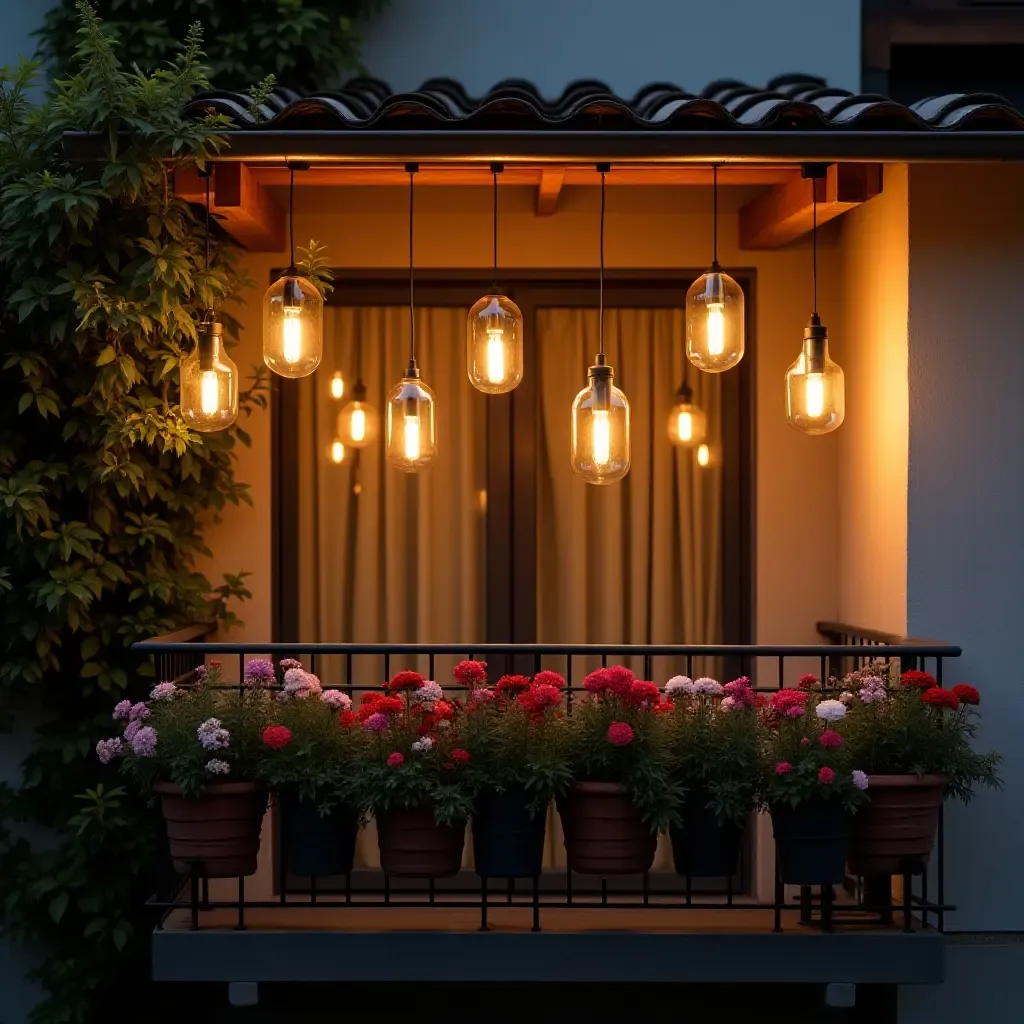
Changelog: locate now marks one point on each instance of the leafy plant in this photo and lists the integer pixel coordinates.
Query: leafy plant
(305, 44)
(104, 491)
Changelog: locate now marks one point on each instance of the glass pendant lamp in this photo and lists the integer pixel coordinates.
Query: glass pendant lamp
(411, 428)
(358, 421)
(714, 312)
(687, 422)
(293, 313)
(494, 330)
(209, 378)
(815, 384)
(600, 414)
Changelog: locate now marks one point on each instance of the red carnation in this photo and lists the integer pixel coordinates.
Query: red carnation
(470, 672)
(395, 759)
(783, 768)
(547, 678)
(277, 736)
(783, 700)
(966, 694)
(370, 698)
(940, 698)
(923, 680)
(663, 706)
(443, 709)
(460, 756)
(347, 719)
(643, 691)
(620, 733)
(620, 680)
(830, 739)
(509, 686)
(540, 696)
(807, 682)
(405, 681)
(826, 776)
(596, 682)
(389, 705)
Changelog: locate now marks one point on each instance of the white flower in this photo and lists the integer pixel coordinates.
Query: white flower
(846, 697)
(428, 692)
(707, 686)
(680, 684)
(831, 710)
(860, 779)
(212, 736)
(423, 744)
(215, 767)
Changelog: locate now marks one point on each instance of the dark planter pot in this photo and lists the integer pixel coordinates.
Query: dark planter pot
(895, 831)
(217, 831)
(413, 845)
(604, 834)
(507, 842)
(812, 841)
(317, 844)
(704, 847)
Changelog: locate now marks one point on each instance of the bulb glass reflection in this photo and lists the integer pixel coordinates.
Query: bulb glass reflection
(411, 428)
(293, 315)
(703, 456)
(714, 322)
(600, 430)
(687, 423)
(337, 386)
(494, 345)
(209, 383)
(358, 422)
(336, 452)
(815, 386)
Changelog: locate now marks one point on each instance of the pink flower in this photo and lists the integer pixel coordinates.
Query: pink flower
(783, 768)
(336, 699)
(826, 775)
(138, 711)
(131, 729)
(377, 722)
(805, 742)
(620, 733)
(287, 663)
(107, 750)
(163, 691)
(794, 711)
(831, 739)
(783, 700)
(122, 709)
(144, 742)
(259, 672)
(860, 779)
(741, 693)
(395, 759)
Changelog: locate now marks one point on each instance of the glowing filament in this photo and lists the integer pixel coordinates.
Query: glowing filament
(292, 334)
(716, 328)
(703, 455)
(209, 392)
(337, 386)
(358, 425)
(602, 437)
(684, 426)
(814, 395)
(495, 355)
(337, 452)
(412, 438)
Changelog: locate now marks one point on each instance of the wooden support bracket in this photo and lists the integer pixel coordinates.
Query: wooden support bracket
(784, 213)
(549, 189)
(240, 203)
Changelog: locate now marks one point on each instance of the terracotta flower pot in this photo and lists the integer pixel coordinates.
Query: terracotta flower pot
(812, 841)
(507, 841)
(604, 833)
(218, 829)
(895, 831)
(413, 845)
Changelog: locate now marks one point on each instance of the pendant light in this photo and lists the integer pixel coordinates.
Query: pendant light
(494, 330)
(687, 422)
(209, 378)
(600, 414)
(358, 421)
(336, 451)
(337, 386)
(714, 312)
(293, 311)
(815, 385)
(411, 431)
(703, 456)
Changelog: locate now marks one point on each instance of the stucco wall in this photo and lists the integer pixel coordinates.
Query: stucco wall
(872, 442)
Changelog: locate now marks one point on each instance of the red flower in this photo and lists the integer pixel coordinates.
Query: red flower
(940, 698)
(966, 694)
(460, 756)
(347, 719)
(783, 700)
(620, 733)
(826, 776)
(807, 682)
(443, 709)
(508, 686)
(642, 691)
(405, 681)
(540, 696)
(830, 739)
(395, 759)
(470, 672)
(370, 698)
(596, 682)
(805, 742)
(277, 736)
(620, 680)
(547, 678)
(663, 706)
(923, 680)
(783, 768)
(389, 705)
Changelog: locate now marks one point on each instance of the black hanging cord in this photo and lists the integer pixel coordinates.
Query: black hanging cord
(814, 243)
(496, 169)
(714, 215)
(291, 215)
(411, 169)
(600, 330)
(209, 174)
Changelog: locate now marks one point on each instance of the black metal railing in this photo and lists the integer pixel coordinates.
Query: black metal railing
(769, 668)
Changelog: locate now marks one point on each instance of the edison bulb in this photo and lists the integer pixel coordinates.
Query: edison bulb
(714, 322)
(293, 315)
(600, 429)
(687, 423)
(411, 429)
(358, 422)
(209, 382)
(337, 386)
(336, 452)
(494, 345)
(703, 456)
(815, 385)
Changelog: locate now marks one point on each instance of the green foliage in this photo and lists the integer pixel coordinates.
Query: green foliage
(316, 267)
(305, 44)
(104, 491)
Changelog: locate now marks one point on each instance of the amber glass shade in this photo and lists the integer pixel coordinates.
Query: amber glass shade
(293, 326)
(714, 322)
(815, 386)
(209, 383)
(600, 430)
(411, 426)
(494, 345)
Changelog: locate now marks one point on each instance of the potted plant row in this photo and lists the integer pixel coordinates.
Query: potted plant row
(852, 774)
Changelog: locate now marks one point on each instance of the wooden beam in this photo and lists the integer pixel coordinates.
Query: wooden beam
(549, 189)
(784, 214)
(241, 204)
